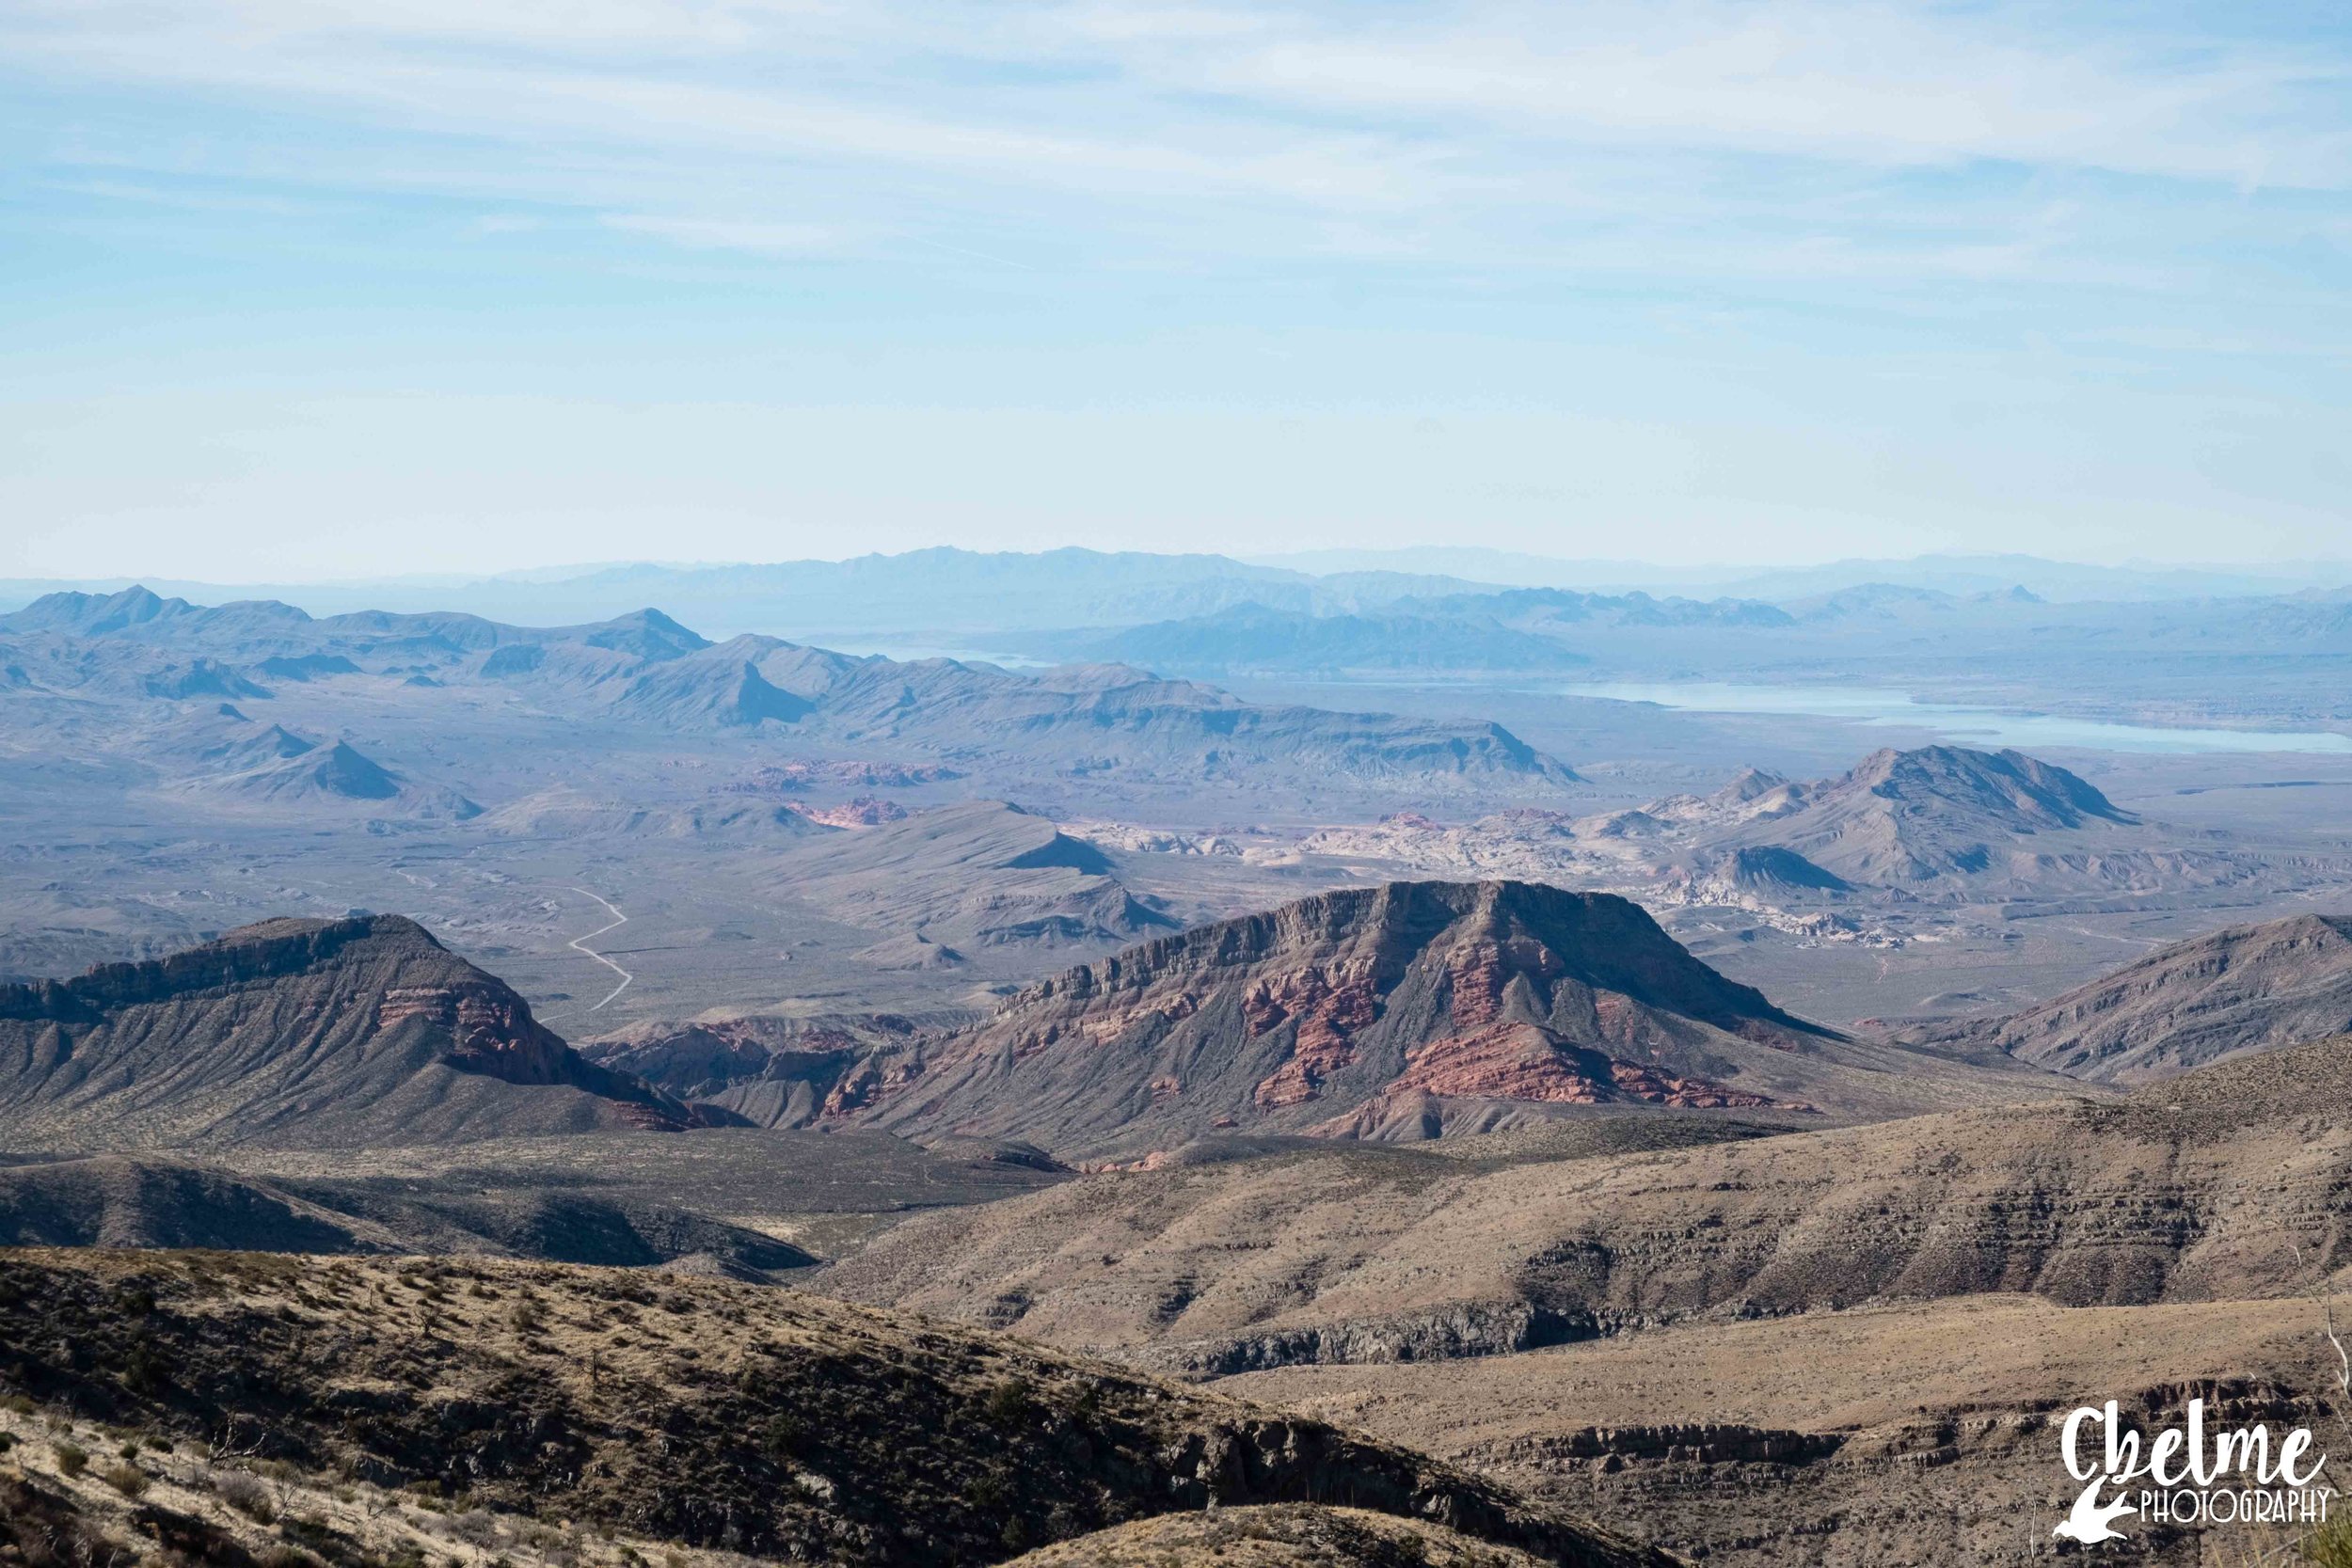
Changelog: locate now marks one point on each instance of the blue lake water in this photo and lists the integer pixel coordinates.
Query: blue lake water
(1980, 725)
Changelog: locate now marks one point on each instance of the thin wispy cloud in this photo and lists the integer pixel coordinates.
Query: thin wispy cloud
(1774, 254)
(1286, 124)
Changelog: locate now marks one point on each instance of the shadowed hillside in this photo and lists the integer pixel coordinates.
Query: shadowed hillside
(691, 1412)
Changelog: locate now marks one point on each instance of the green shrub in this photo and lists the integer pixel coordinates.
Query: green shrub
(1007, 1402)
(71, 1460)
(782, 1435)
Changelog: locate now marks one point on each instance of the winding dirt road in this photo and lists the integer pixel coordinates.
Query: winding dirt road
(581, 943)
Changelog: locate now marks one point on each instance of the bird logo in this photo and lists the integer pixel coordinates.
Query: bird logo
(2088, 1521)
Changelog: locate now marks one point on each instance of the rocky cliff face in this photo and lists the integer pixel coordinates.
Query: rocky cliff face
(323, 1032)
(1329, 1014)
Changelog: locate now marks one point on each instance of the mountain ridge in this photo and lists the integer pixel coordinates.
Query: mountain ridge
(1396, 1010)
(358, 1030)
(2241, 990)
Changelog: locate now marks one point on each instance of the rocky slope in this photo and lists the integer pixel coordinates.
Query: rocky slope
(1393, 1011)
(310, 1032)
(533, 1399)
(2199, 1187)
(2250, 988)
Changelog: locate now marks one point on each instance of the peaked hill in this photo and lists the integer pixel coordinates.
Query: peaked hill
(1911, 817)
(301, 1033)
(1402, 1010)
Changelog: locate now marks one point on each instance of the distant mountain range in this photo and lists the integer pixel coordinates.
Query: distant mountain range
(1955, 574)
(1253, 640)
(2169, 646)
(644, 670)
(954, 591)
(932, 592)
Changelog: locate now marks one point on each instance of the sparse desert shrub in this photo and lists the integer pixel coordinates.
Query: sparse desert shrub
(17, 1404)
(8, 1441)
(129, 1479)
(475, 1526)
(246, 1495)
(72, 1459)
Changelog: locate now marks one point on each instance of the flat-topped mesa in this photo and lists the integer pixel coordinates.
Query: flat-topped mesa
(266, 950)
(1329, 1014)
(326, 1032)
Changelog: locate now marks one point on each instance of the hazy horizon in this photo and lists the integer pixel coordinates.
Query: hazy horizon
(1408, 558)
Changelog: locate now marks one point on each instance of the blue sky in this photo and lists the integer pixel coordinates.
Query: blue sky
(293, 290)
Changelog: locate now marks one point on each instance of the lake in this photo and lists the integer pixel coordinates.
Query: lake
(1978, 726)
